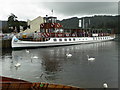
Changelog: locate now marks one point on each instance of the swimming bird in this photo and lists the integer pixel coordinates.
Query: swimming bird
(69, 55)
(105, 85)
(90, 59)
(35, 57)
(17, 65)
(27, 51)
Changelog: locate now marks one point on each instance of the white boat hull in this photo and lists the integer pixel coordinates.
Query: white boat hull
(57, 42)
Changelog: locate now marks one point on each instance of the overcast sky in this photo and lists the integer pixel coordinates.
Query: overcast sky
(30, 9)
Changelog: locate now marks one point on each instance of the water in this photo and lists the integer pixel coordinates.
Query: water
(53, 66)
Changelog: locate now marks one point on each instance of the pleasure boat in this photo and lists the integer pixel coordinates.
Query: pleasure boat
(52, 34)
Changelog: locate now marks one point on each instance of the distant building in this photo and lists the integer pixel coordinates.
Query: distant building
(34, 25)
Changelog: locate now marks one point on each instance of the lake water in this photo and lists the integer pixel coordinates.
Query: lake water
(53, 66)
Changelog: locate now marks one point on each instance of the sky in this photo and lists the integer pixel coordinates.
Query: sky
(62, 9)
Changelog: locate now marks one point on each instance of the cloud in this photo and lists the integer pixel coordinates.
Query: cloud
(30, 9)
(83, 8)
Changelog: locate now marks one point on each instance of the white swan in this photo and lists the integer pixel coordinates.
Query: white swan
(17, 65)
(105, 85)
(35, 57)
(27, 51)
(90, 59)
(69, 55)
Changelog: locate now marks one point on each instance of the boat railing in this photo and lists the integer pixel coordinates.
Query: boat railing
(74, 34)
(47, 36)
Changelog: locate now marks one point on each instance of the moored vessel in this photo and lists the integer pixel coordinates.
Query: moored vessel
(52, 34)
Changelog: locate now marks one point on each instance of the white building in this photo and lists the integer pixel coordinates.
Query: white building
(34, 25)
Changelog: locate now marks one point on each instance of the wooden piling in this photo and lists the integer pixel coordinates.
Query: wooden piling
(6, 43)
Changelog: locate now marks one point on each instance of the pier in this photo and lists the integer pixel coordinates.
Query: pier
(6, 43)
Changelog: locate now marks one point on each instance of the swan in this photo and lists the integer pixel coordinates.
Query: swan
(105, 85)
(17, 65)
(27, 51)
(90, 59)
(35, 57)
(69, 55)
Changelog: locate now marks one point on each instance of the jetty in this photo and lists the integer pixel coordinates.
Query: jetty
(6, 43)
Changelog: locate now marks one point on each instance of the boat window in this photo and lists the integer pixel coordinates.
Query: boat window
(65, 39)
(47, 39)
(69, 39)
(55, 39)
(60, 39)
(74, 39)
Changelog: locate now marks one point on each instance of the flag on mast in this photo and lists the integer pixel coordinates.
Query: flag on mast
(52, 11)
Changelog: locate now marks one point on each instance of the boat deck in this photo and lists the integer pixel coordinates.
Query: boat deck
(15, 84)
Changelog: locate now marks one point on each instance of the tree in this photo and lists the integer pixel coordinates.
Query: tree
(13, 23)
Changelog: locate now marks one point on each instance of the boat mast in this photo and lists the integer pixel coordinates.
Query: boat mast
(52, 12)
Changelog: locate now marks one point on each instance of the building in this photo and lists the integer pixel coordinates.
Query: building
(34, 25)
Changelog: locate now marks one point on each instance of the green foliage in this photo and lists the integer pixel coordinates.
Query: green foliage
(14, 24)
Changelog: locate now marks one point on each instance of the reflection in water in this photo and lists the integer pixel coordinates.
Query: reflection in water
(53, 66)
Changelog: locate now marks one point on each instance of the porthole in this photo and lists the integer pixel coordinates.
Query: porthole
(65, 39)
(74, 39)
(60, 39)
(55, 39)
(69, 39)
